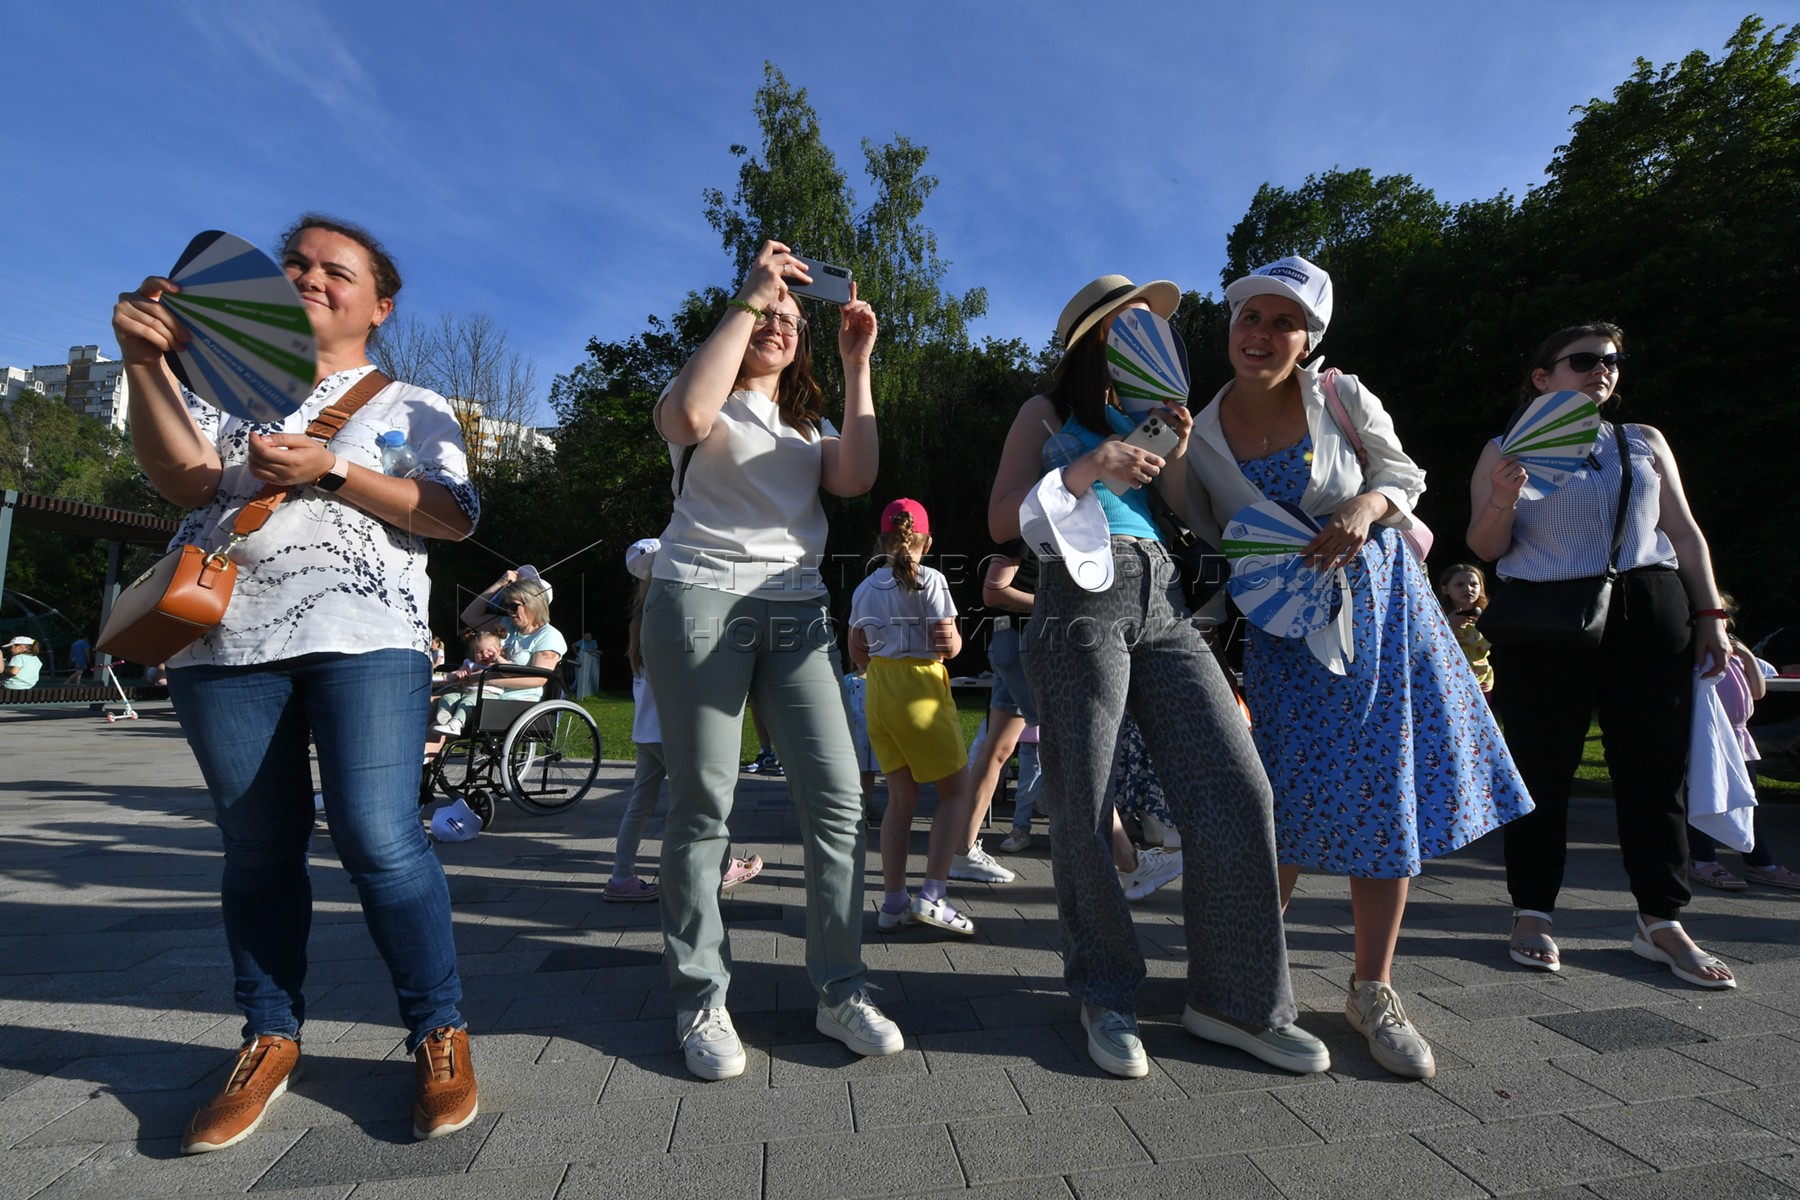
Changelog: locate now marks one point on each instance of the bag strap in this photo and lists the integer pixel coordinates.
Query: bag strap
(327, 425)
(1329, 377)
(1618, 537)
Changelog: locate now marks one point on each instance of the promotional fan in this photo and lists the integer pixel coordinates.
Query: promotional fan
(1551, 437)
(1147, 360)
(253, 352)
(1280, 592)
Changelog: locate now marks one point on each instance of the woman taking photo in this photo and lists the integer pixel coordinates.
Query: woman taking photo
(1665, 617)
(1093, 656)
(324, 642)
(1380, 748)
(736, 611)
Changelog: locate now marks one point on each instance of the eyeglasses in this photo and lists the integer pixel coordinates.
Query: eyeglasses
(791, 323)
(1583, 361)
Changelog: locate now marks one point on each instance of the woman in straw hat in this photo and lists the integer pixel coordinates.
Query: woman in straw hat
(1378, 743)
(1110, 636)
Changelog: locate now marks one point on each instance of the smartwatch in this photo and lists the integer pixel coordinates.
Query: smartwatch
(334, 476)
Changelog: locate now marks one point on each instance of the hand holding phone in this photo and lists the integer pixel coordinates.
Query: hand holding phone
(1154, 435)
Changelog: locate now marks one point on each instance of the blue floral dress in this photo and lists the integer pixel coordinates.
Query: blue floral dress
(1399, 759)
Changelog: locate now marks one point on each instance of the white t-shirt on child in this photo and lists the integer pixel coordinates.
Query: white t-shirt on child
(897, 621)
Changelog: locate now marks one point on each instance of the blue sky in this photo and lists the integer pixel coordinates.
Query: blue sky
(543, 162)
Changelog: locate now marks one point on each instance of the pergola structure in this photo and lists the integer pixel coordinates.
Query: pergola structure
(117, 527)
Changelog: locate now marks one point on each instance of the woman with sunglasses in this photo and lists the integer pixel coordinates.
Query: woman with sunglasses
(736, 612)
(1665, 616)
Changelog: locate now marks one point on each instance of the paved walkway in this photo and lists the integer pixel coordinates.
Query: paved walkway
(1612, 1080)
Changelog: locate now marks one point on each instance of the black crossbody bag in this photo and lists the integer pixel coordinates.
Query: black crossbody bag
(1564, 614)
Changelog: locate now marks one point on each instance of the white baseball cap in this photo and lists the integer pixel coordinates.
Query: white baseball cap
(20, 641)
(1055, 524)
(455, 822)
(640, 556)
(1305, 283)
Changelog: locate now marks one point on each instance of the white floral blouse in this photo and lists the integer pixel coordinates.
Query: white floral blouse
(322, 575)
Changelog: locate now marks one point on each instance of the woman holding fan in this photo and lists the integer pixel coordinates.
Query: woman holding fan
(1665, 616)
(1109, 635)
(1377, 741)
(325, 642)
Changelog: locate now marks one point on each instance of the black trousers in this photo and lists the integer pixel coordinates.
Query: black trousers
(1641, 680)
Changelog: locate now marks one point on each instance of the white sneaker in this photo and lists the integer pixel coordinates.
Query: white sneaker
(1373, 1010)
(860, 1025)
(1016, 842)
(449, 727)
(979, 866)
(1155, 868)
(710, 1043)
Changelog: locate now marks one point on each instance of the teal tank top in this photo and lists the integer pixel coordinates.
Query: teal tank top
(1127, 515)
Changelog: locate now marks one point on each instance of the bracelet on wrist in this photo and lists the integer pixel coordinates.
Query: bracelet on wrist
(746, 306)
(1700, 614)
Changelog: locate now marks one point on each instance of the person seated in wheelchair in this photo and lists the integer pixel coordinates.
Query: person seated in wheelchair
(518, 608)
(455, 703)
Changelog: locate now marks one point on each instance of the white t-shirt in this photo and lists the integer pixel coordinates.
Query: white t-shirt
(323, 575)
(646, 729)
(518, 649)
(747, 518)
(897, 621)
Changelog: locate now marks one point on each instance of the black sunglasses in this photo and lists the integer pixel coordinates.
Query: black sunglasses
(1587, 360)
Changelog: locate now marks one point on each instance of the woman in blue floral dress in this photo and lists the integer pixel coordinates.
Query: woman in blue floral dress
(1378, 743)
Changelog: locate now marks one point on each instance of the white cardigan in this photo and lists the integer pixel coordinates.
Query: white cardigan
(1218, 488)
(1337, 477)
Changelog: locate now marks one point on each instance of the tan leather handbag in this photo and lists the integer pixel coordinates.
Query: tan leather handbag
(186, 592)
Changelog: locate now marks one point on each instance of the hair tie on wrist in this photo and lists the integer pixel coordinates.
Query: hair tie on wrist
(746, 306)
(1699, 613)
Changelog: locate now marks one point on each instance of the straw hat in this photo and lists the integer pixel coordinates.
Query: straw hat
(1093, 302)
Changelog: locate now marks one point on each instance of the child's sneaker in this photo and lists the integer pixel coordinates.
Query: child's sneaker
(1155, 868)
(979, 866)
(1016, 842)
(632, 891)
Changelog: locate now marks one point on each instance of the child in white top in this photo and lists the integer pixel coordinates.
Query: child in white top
(903, 628)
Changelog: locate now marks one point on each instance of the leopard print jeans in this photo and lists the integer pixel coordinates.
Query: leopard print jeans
(1134, 648)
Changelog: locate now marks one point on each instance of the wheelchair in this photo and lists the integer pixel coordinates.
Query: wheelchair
(540, 754)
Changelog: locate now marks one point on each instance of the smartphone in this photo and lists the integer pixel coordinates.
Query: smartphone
(829, 283)
(1154, 435)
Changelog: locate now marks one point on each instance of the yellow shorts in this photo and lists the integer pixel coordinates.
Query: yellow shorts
(912, 719)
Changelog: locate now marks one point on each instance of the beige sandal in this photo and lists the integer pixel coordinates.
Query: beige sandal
(1687, 966)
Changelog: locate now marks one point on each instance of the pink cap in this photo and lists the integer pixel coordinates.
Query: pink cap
(912, 508)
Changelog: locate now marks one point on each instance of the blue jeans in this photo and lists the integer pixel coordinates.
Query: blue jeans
(249, 728)
(1006, 655)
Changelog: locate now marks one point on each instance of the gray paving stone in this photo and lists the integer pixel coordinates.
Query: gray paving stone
(29, 1170)
(1215, 1125)
(827, 1061)
(1371, 1109)
(1332, 1171)
(1214, 1179)
(1530, 1089)
(1202, 1068)
(1495, 1000)
(992, 1048)
(1784, 1168)
(1776, 1109)
(1521, 1039)
(912, 1099)
(710, 1173)
(1044, 1144)
(1587, 991)
(1608, 1031)
(1736, 1180)
(1084, 1085)
(151, 1169)
(585, 1133)
(382, 1150)
(1732, 1017)
(884, 1162)
(1773, 1060)
(511, 1086)
(1682, 1133)
(524, 1183)
(20, 1117)
(1520, 1156)
(667, 1075)
(1639, 1076)
(721, 1116)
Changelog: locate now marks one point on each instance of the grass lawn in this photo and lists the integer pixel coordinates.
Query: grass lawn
(613, 711)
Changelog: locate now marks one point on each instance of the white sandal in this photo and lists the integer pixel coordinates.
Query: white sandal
(940, 914)
(1541, 942)
(1688, 967)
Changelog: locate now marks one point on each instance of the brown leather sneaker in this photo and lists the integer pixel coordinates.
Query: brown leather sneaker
(444, 1092)
(263, 1070)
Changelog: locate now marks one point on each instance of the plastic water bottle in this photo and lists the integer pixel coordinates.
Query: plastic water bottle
(397, 458)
